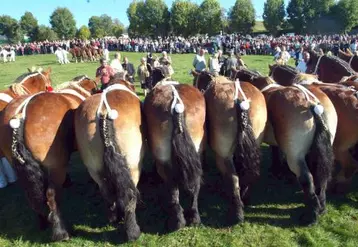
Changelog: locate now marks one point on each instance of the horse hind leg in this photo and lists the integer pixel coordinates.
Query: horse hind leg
(192, 213)
(299, 166)
(59, 232)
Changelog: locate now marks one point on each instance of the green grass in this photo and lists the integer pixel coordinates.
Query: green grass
(271, 220)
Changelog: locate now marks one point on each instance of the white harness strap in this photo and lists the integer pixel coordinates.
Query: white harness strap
(269, 86)
(315, 70)
(177, 103)
(350, 60)
(310, 81)
(307, 93)
(112, 114)
(245, 104)
(5, 97)
(72, 92)
(164, 83)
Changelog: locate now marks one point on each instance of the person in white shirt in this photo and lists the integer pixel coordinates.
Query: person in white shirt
(302, 65)
(106, 54)
(64, 56)
(59, 55)
(116, 63)
(12, 55)
(285, 56)
(214, 66)
(199, 62)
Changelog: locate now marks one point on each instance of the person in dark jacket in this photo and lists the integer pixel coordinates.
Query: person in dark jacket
(127, 66)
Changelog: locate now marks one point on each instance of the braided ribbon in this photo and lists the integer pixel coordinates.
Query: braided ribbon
(318, 108)
(177, 103)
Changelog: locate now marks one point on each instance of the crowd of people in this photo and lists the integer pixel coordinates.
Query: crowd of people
(258, 45)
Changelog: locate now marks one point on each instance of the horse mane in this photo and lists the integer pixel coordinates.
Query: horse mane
(17, 87)
(252, 73)
(73, 84)
(286, 68)
(341, 62)
(307, 79)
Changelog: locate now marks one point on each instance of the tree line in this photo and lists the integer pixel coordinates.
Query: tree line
(186, 18)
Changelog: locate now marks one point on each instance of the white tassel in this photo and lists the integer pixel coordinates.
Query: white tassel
(14, 123)
(245, 105)
(318, 109)
(179, 108)
(113, 114)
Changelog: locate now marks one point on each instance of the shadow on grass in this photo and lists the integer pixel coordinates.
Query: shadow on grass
(84, 210)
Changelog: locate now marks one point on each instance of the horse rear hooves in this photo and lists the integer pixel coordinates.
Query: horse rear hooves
(176, 222)
(236, 216)
(308, 219)
(193, 218)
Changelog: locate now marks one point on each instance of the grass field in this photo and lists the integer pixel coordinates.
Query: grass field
(271, 219)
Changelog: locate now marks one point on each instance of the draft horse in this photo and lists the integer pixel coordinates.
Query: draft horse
(236, 119)
(175, 117)
(29, 83)
(109, 134)
(38, 139)
(345, 102)
(302, 124)
(350, 58)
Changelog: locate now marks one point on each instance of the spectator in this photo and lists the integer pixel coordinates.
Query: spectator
(116, 63)
(143, 75)
(105, 72)
(302, 65)
(127, 66)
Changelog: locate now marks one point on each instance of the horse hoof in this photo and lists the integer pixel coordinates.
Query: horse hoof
(175, 224)
(193, 219)
(133, 233)
(60, 236)
(236, 217)
(308, 219)
(322, 211)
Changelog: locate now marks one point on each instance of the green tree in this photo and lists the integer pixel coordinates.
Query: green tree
(242, 16)
(184, 17)
(346, 12)
(95, 27)
(210, 17)
(45, 33)
(29, 25)
(63, 23)
(10, 28)
(83, 33)
(117, 28)
(151, 17)
(274, 15)
(303, 13)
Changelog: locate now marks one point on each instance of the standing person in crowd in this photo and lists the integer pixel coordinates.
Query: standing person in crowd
(116, 63)
(143, 75)
(299, 56)
(231, 64)
(64, 56)
(12, 54)
(302, 65)
(156, 62)
(105, 72)
(106, 54)
(240, 63)
(222, 62)
(199, 64)
(127, 66)
(214, 67)
(283, 56)
(166, 62)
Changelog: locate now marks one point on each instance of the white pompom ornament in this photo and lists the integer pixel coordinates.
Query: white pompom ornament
(179, 108)
(14, 123)
(113, 114)
(245, 105)
(318, 109)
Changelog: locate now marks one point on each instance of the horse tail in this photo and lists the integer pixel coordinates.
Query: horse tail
(321, 156)
(247, 151)
(116, 172)
(186, 160)
(31, 176)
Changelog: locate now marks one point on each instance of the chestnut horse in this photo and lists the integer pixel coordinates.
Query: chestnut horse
(175, 117)
(109, 133)
(344, 100)
(40, 143)
(330, 69)
(302, 124)
(350, 58)
(236, 118)
(29, 83)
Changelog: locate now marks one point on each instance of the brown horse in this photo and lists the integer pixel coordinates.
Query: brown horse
(29, 83)
(175, 117)
(330, 69)
(40, 143)
(350, 58)
(236, 118)
(344, 100)
(111, 145)
(304, 133)
(76, 54)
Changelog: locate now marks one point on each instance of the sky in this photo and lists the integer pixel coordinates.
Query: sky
(82, 10)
